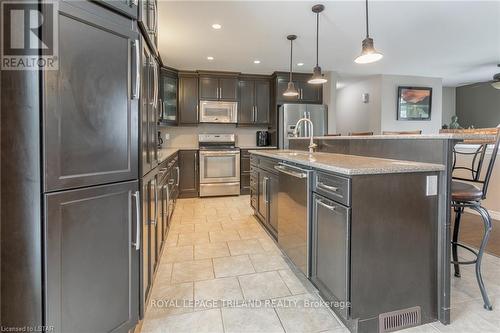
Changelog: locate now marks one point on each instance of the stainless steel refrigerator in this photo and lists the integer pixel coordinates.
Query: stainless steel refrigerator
(289, 114)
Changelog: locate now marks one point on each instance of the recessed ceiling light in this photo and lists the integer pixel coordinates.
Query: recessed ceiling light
(256, 61)
(300, 64)
(210, 58)
(216, 26)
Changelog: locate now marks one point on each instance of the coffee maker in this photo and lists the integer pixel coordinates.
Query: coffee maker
(263, 138)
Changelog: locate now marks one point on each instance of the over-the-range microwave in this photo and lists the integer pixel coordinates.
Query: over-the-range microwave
(218, 112)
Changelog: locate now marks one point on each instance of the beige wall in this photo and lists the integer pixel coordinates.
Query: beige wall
(388, 99)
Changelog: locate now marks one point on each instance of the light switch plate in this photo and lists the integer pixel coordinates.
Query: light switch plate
(432, 185)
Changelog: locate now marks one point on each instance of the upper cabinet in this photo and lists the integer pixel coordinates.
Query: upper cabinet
(188, 98)
(308, 93)
(168, 96)
(148, 20)
(125, 7)
(255, 100)
(219, 87)
(90, 108)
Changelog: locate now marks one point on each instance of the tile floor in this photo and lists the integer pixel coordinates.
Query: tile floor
(221, 272)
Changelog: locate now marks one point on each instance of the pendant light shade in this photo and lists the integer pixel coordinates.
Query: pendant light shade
(368, 52)
(317, 77)
(291, 91)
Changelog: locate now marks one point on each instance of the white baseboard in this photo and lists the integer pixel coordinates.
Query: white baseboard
(494, 214)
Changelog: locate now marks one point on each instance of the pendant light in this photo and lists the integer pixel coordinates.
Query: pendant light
(291, 91)
(317, 77)
(368, 52)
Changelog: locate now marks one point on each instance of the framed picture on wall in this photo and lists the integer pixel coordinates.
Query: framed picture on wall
(414, 103)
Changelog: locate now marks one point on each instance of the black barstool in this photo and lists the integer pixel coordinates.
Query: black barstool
(467, 195)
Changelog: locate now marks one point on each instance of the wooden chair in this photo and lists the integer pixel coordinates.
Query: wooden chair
(360, 133)
(464, 194)
(402, 132)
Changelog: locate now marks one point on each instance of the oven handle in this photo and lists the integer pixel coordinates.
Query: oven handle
(219, 153)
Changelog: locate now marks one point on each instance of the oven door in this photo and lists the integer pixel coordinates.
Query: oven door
(219, 166)
(218, 112)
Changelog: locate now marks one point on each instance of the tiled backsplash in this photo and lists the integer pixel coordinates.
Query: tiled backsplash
(187, 137)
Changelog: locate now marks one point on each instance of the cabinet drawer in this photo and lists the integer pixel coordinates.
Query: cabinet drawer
(333, 187)
(245, 153)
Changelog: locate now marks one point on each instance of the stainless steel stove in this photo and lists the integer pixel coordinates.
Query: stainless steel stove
(219, 165)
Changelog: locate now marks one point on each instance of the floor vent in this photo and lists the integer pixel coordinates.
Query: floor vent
(398, 320)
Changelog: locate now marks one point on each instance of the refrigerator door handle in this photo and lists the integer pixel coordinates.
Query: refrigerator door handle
(137, 242)
(137, 81)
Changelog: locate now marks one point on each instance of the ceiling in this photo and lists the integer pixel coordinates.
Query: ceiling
(458, 41)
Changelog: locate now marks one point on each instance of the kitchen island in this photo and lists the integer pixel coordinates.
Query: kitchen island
(397, 204)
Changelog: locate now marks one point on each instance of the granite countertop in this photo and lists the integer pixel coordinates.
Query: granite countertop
(348, 164)
(443, 136)
(255, 147)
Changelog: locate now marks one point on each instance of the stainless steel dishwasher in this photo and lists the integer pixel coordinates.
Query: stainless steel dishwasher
(294, 220)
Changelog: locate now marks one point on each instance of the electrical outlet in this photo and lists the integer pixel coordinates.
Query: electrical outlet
(432, 185)
(167, 136)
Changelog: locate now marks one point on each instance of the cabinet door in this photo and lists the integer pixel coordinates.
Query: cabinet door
(188, 100)
(168, 97)
(90, 256)
(209, 88)
(146, 162)
(262, 195)
(228, 89)
(273, 191)
(127, 7)
(153, 224)
(189, 176)
(331, 242)
(90, 120)
(311, 93)
(246, 107)
(262, 101)
(146, 274)
(153, 112)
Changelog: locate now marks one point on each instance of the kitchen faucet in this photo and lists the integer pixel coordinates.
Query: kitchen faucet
(312, 145)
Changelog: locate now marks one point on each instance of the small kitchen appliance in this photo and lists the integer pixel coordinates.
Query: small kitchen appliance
(262, 138)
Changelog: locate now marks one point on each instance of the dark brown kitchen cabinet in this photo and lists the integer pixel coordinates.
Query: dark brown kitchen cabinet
(90, 138)
(254, 101)
(188, 98)
(168, 96)
(125, 7)
(148, 21)
(264, 190)
(189, 174)
(219, 88)
(308, 93)
(244, 172)
(149, 109)
(91, 254)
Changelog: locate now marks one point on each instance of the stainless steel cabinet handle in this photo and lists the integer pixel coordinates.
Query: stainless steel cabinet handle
(178, 175)
(155, 219)
(325, 205)
(197, 113)
(296, 174)
(264, 185)
(137, 243)
(136, 92)
(328, 187)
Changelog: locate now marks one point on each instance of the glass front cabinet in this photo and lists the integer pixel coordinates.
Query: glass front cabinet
(168, 97)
